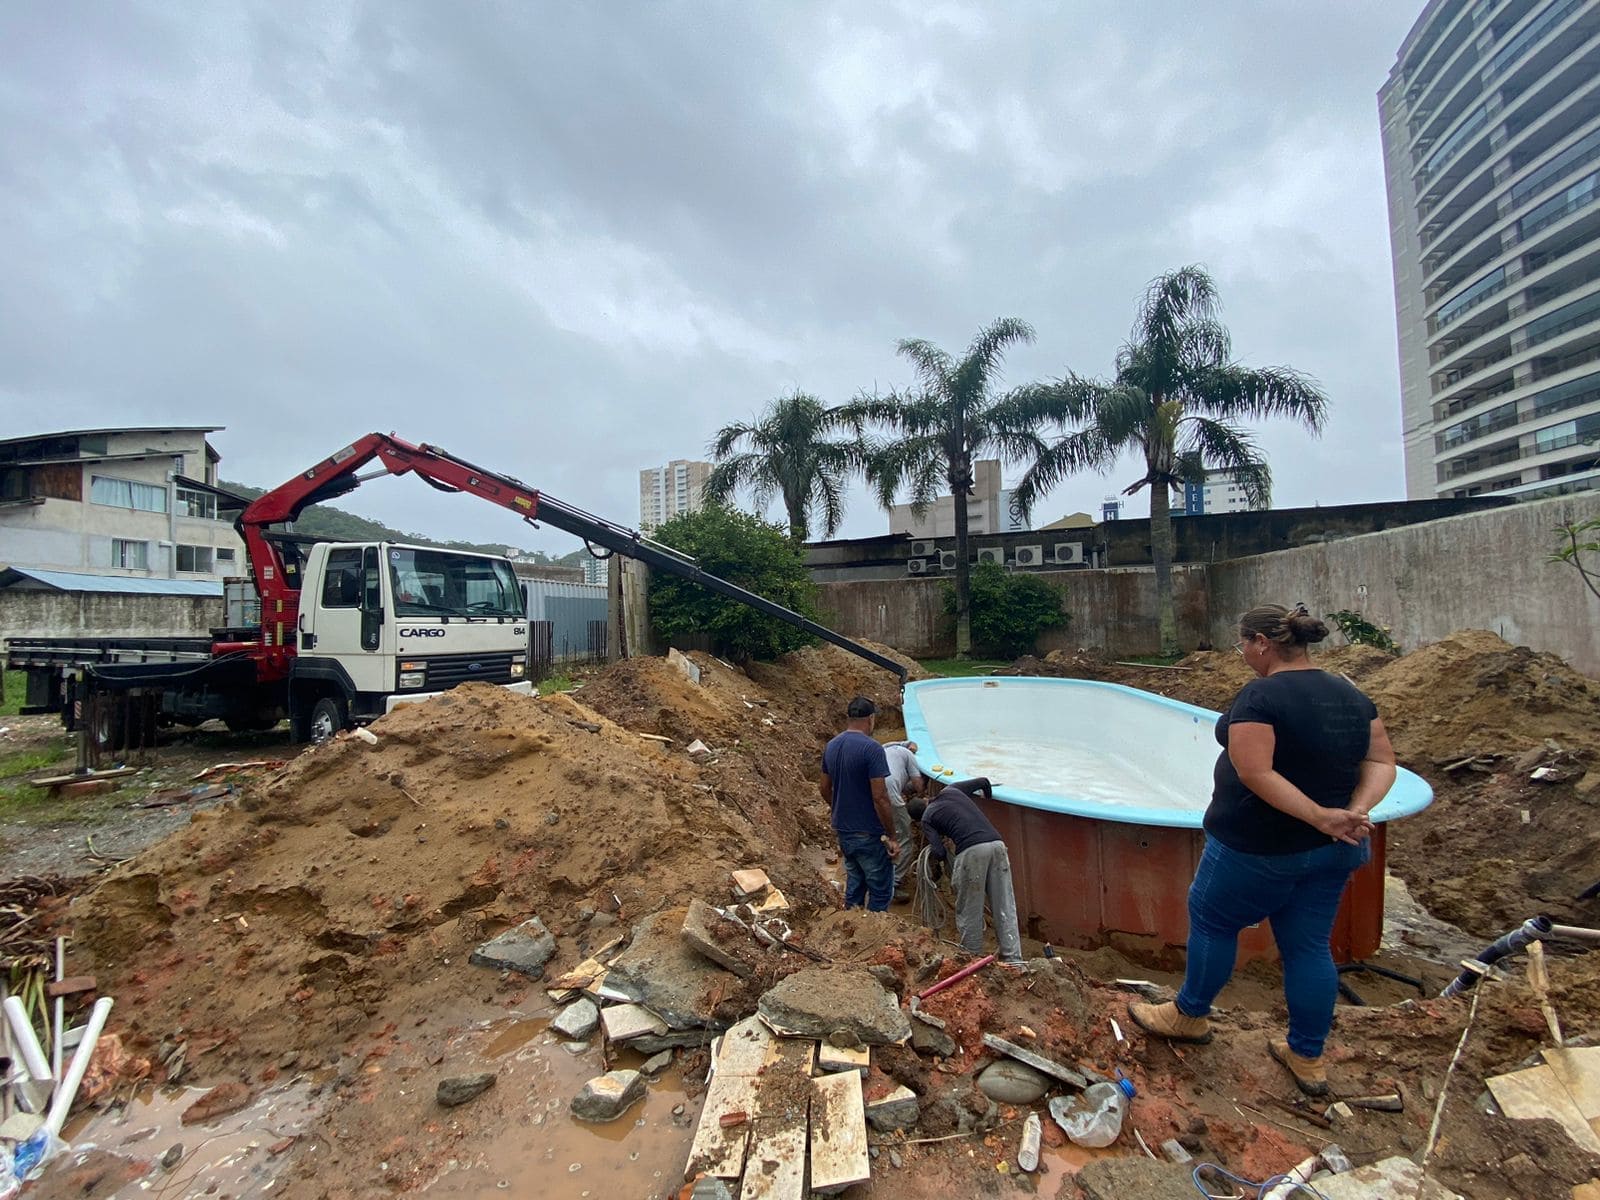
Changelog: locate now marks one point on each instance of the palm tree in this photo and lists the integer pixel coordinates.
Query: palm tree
(1177, 399)
(788, 453)
(953, 416)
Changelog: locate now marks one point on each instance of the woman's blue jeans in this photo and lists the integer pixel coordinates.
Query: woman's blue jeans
(1299, 894)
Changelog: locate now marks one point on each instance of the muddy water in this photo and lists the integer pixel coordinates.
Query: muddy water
(231, 1155)
(542, 1151)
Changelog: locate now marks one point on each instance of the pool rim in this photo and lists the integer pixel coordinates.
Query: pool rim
(1409, 795)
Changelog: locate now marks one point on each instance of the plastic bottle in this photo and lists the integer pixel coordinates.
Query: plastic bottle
(1096, 1119)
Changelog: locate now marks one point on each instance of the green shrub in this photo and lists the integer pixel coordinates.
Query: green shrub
(1359, 631)
(1009, 611)
(744, 550)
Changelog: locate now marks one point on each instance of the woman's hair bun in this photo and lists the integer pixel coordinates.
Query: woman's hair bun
(1305, 628)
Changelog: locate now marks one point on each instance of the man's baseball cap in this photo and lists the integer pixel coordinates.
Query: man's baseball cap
(861, 707)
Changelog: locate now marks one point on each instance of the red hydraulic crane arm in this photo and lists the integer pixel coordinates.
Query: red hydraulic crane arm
(340, 473)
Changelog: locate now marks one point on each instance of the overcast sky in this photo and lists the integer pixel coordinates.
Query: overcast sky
(571, 240)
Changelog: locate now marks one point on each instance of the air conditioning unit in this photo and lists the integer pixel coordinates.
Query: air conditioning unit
(1067, 554)
(916, 566)
(993, 554)
(947, 560)
(923, 549)
(1030, 556)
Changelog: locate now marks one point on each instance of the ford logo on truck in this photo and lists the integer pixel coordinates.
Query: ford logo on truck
(422, 632)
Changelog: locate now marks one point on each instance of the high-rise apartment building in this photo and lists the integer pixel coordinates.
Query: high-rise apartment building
(1491, 137)
(988, 509)
(664, 492)
(1221, 492)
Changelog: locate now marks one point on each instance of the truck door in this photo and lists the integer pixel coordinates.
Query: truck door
(349, 619)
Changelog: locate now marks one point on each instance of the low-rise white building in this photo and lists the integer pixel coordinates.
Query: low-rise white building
(136, 503)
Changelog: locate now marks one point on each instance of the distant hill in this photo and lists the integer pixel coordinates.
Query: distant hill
(322, 520)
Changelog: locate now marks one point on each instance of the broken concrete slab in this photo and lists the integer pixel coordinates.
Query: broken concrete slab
(525, 948)
(676, 658)
(750, 883)
(625, 1022)
(709, 1187)
(655, 1064)
(660, 971)
(674, 1040)
(837, 1058)
(577, 1022)
(1383, 1180)
(458, 1089)
(927, 1040)
(898, 1110)
(606, 1097)
(833, 1004)
(1013, 1082)
(1037, 1061)
(1123, 1178)
(720, 938)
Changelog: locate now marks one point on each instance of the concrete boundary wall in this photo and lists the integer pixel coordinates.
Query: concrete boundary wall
(1487, 570)
(27, 613)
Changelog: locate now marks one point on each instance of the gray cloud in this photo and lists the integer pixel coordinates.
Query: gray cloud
(571, 241)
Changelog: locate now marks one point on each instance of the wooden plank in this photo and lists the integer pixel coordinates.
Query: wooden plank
(1037, 1061)
(1537, 1092)
(717, 1149)
(838, 1133)
(775, 1168)
(1579, 1073)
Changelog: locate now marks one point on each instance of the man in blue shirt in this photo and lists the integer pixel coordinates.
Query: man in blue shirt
(854, 768)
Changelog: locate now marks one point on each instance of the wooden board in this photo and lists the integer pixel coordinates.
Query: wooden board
(775, 1168)
(1579, 1073)
(1537, 1092)
(718, 1151)
(838, 1133)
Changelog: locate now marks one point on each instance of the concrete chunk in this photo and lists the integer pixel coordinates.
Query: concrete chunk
(525, 948)
(719, 938)
(1384, 1180)
(898, 1110)
(577, 1022)
(606, 1097)
(461, 1088)
(624, 1022)
(830, 1003)
(838, 1058)
(659, 970)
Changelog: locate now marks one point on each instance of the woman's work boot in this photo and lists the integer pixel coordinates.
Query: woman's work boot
(1166, 1021)
(1308, 1072)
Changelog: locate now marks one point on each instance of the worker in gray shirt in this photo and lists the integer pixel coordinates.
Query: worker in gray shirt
(905, 781)
(982, 869)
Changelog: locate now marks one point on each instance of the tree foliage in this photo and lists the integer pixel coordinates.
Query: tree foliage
(1580, 554)
(1009, 610)
(790, 452)
(953, 415)
(1177, 399)
(744, 550)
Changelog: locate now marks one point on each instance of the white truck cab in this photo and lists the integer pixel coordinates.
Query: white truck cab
(383, 623)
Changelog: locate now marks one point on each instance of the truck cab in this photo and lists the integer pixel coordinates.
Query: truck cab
(382, 624)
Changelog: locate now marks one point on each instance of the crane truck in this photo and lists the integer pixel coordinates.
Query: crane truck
(348, 630)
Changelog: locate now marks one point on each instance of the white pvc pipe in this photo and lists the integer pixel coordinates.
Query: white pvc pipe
(1575, 932)
(60, 1024)
(61, 1103)
(27, 1042)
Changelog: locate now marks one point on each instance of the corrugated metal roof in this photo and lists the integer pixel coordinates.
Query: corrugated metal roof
(66, 433)
(71, 581)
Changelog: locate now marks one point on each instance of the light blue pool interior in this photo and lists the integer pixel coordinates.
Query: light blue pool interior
(1088, 749)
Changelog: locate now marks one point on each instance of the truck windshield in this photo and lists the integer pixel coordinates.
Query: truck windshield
(435, 582)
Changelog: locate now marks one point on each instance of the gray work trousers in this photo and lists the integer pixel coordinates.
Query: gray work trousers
(902, 834)
(985, 871)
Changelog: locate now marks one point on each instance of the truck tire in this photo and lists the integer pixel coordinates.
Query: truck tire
(327, 718)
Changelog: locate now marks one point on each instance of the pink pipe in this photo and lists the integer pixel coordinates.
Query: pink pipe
(957, 977)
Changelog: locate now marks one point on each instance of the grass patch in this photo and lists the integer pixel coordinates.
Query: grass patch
(15, 687)
(17, 795)
(557, 683)
(961, 666)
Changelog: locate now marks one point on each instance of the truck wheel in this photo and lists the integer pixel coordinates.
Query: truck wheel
(327, 718)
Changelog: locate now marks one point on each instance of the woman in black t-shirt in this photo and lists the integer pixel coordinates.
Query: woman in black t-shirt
(1305, 759)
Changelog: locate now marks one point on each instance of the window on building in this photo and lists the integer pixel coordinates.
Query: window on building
(125, 493)
(130, 555)
(225, 555)
(195, 559)
(194, 503)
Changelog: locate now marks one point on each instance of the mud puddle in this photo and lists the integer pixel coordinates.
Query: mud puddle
(538, 1149)
(232, 1155)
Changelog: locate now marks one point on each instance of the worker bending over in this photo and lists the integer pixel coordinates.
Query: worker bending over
(982, 868)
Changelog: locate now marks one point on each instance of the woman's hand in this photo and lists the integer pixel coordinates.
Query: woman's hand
(1342, 825)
